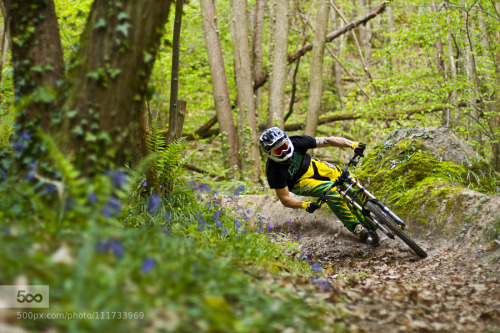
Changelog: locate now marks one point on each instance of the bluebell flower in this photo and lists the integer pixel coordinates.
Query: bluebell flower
(119, 179)
(154, 203)
(203, 188)
(102, 246)
(117, 248)
(218, 224)
(19, 146)
(224, 231)
(315, 267)
(25, 136)
(113, 208)
(92, 198)
(322, 283)
(237, 224)
(147, 265)
(240, 189)
(299, 236)
(51, 189)
(32, 165)
(144, 183)
(168, 216)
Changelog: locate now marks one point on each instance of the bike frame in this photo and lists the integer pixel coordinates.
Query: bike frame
(351, 189)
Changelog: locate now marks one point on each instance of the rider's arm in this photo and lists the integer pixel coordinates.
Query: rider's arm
(333, 141)
(286, 199)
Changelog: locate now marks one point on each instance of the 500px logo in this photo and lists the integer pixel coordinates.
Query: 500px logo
(24, 296)
(21, 297)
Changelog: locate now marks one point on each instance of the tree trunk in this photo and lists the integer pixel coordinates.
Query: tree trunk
(257, 36)
(174, 116)
(473, 83)
(337, 67)
(115, 60)
(249, 149)
(219, 83)
(37, 58)
(275, 114)
(316, 81)
(495, 153)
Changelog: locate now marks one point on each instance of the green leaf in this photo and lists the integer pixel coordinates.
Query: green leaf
(93, 75)
(71, 113)
(78, 130)
(147, 57)
(123, 16)
(123, 28)
(101, 23)
(89, 137)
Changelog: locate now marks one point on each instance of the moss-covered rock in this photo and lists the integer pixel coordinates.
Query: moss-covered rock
(433, 179)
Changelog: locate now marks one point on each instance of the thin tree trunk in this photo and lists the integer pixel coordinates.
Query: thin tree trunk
(219, 83)
(249, 149)
(495, 153)
(316, 81)
(440, 61)
(275, 115)
(174, 116)
(473, 82)
(257, 37)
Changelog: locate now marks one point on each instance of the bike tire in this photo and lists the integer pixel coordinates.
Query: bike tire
(394, 227)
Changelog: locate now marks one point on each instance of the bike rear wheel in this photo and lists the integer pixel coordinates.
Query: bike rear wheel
(394, 227)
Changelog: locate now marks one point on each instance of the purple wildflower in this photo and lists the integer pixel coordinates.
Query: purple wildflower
(224, 231)
(240, 189)
(147, 265)
(117, 248)
(203, 188)
(113, 208)
(315, 267)
(25, 136)
(92, 198)
(154, 203)
(322, 283)
(144, 183)
(237, 224)
(299, 236)
(119, 179)
(51, 188)
(168, 216)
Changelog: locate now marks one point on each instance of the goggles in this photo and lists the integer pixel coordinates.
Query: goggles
(282, 150)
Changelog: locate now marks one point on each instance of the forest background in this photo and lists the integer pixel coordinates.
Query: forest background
(90, 89)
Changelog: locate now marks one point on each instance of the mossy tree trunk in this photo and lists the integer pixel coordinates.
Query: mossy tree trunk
(108, 84)
(37, 60)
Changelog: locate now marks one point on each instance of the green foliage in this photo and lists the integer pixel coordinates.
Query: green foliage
(182, 263)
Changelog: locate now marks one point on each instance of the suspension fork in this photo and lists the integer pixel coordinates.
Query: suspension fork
(369, 197)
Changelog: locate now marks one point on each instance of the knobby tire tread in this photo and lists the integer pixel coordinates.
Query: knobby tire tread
(394, 227)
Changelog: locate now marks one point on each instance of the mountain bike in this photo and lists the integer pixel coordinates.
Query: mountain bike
(377, 215)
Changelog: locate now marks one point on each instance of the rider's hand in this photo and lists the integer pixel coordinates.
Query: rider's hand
(310, 206)
(359, 148)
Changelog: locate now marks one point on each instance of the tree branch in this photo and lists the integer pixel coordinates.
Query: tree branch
(339, 32)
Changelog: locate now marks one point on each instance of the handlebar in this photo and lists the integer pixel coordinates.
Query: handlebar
(353, 161)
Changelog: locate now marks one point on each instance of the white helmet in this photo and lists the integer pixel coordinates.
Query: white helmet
(276, 144)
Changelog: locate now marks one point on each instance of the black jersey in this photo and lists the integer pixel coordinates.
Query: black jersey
(280, 175)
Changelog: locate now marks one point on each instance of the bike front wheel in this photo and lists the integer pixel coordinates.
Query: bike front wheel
(394, 228)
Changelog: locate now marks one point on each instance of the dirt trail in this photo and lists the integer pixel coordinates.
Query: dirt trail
(389, 288)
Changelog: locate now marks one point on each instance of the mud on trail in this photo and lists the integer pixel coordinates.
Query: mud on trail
(389, 288)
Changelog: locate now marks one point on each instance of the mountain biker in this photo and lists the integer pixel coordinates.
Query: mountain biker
(290, 169)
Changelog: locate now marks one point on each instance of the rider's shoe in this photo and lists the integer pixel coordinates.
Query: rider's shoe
(362, 234)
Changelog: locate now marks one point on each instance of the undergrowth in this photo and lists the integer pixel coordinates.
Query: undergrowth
(176, 263)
